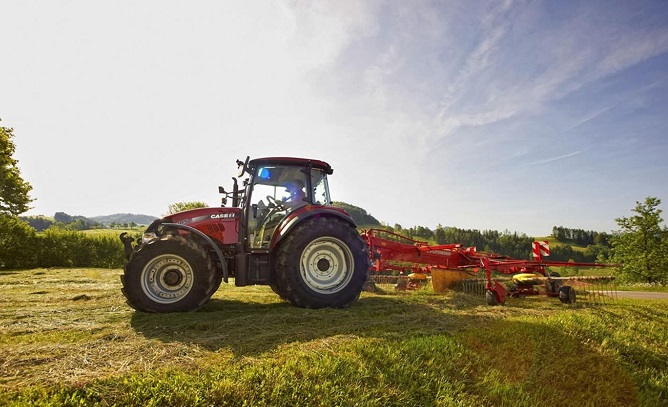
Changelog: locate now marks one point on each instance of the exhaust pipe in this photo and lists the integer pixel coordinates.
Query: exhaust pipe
(127, 244)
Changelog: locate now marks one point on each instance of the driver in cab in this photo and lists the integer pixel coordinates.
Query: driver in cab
(295, 189)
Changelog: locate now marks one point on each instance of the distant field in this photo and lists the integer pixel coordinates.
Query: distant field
(556, 242)
(116, 232)
(68, 338)
(583, 271)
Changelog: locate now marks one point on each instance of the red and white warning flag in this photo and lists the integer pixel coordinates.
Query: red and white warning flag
(541, 249)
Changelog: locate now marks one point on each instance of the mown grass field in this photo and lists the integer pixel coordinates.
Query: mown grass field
(67, 338)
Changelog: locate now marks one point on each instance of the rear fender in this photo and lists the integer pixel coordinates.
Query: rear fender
(305, 213)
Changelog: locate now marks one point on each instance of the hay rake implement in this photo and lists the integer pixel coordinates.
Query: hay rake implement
(452, 265)
(589, 290)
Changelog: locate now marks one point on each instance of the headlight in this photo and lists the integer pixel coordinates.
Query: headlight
(147, 237)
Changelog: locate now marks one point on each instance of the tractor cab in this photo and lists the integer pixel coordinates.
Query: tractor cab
(279, 189)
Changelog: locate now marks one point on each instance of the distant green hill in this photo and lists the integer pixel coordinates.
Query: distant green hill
(121, 218)
(359, 215)
(554, 242)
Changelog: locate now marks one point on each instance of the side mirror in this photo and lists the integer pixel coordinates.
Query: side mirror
(243, 165)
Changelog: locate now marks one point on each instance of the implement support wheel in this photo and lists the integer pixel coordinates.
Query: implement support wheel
(567, 294)
(490, 297)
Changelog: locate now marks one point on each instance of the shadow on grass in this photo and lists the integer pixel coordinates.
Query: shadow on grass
(251, 328)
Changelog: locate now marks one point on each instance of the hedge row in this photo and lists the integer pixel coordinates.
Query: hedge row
(21, 247)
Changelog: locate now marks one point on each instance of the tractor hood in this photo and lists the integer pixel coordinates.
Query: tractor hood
(199, 215)
(220, 224)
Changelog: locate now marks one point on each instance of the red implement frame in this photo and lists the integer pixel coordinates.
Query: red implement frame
(388, 250)
(392, 248)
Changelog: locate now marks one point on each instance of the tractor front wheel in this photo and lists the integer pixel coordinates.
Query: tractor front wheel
(322, 263)
(169, 274)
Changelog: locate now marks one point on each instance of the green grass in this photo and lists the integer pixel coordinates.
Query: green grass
(67, 338)
(648, 287)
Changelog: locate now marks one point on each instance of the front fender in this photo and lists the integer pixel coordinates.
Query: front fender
(207, 239)
(304, 213)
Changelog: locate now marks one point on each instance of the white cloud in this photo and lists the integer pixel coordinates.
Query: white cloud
(549, 160)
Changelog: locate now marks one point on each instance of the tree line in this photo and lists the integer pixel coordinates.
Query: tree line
(580, 236)
(513, 244)
(63, 221)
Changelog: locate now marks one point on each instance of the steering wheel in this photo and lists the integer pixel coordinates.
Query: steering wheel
(279, 205)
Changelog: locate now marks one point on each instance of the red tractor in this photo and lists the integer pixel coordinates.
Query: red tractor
(281, 230)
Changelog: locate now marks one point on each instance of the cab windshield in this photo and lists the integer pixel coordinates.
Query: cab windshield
(277, 191)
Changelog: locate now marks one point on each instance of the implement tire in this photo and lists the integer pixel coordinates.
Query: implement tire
(552, 286)
(567, 294)
(491, 299)
(169, 274)
(322, 263)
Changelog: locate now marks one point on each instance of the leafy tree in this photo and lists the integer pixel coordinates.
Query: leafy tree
(439, 235)
(597, 251)
(641, 246)
(17, 242)
(184, 206)
(63, 217)
(70, 222)
(14, 191)
(39, 223)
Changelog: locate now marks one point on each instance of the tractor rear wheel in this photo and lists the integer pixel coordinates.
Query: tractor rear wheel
(322, 263)
(275, 287)
(169, 274)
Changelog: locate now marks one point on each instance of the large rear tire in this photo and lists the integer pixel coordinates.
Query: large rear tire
(275, 287)
(169, 274)
(322, 263)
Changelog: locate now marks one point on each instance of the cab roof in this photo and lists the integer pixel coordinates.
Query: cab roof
(304, 162)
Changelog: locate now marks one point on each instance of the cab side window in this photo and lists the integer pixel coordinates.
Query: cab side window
(320, 190)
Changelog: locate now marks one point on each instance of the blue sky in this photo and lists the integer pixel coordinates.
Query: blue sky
(503, 115)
